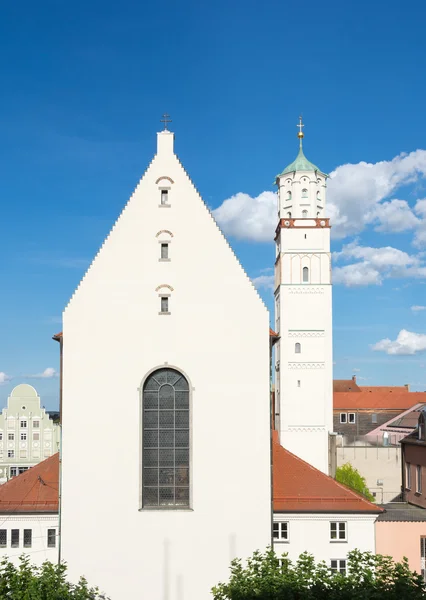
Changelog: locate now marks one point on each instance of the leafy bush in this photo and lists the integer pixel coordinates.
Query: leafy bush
(369, 577)
(48, 582)
(348, 475)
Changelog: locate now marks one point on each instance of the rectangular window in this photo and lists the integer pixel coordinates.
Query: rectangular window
(351, 417)
(280, 531)
(11, 437)
(51, 538)
(22, 470)
(11, 454)
(11, 423)
(3, 538)
(418, 479)
(164, 251)
(338, 531)
(164, 197)
(423, 557)
(36, 436)
(23, 436)
(23, 453)
(338, 565)
(343, 417)
(36, 424)
(374, 418)
(28, 538)
(408, 476)
(13, 471)
(1, 436)
(15, 538)
(23, 423)
(164, 304)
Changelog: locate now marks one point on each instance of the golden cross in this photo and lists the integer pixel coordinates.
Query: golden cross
(300, 126)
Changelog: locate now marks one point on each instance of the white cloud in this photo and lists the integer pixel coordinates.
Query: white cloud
(357, 197)
(407, 342)
(417, 308)
(375, 265)
(4, 378)
(264, 281)
(47, 374)
(249, 218)
(356, 370)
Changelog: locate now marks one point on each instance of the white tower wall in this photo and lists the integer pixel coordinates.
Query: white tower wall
(303, 304)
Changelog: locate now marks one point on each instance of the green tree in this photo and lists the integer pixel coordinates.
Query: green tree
(348, 475)
(369, 577)
(47, 582)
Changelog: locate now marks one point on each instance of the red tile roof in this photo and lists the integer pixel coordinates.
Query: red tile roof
(35, 490)
(299, 487)
(345, 385)
(366, 400)
(272, 333)
(386, 388)
(57, 337)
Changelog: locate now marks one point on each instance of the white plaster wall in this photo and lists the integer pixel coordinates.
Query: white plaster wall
(39, 552)
(296, 183)
(375, 464)
(217, 334)
(311, 533)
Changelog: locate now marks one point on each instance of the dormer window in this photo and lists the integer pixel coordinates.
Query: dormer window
(304, 193)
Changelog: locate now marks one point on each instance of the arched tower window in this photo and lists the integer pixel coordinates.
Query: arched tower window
(297, 348)
(305, 214)
(289, 215)
(165, 440)
(304, 193)
(289, 196)
(305, 275)
(318, 196)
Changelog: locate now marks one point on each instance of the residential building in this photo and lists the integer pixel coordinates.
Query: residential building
(29, 514)
(358, 411)
(397, 428)
(28, 434)
(303, 313)
(414, 463)
(401, 532)
(188, 415)
(315, 513)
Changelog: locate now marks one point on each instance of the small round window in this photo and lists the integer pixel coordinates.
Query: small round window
(23, 407)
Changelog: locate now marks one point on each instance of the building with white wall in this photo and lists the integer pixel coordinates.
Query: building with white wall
(27, 433)
(29, 521)
(303, 313)
(167, 341)
(316, 514)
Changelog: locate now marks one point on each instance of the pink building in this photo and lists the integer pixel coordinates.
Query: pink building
(401, 531)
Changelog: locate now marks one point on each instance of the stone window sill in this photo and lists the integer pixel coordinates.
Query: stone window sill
(164, 313)
(164, 206)
(164, 260)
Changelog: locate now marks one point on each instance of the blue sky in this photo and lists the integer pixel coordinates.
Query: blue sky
(83, 87)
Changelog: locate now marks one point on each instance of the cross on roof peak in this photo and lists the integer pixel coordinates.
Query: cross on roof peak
(166, 119)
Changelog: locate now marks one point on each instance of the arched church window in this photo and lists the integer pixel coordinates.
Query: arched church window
(297, 348)
(289, 196)
(304, 193)
(305, 214)
(165, 440)
(305, 275)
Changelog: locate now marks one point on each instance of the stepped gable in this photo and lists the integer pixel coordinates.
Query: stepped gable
(35, 490)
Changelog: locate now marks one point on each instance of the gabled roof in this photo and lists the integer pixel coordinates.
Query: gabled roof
(377, 400)
(299, 487)
(35, 490)
(345, 385)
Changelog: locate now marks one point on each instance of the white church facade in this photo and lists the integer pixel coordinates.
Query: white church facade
(167, 341)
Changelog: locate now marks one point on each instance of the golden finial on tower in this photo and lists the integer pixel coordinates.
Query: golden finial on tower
(300, 135)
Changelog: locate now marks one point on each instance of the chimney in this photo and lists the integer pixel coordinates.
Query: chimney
(354, 378)
(407, 385)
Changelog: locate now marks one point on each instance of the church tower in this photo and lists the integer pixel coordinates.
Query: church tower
(303, 313)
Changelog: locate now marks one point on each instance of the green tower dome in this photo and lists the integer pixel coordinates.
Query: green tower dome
(301, 163)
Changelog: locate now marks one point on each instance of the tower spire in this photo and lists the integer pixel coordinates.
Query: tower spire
(300, 134)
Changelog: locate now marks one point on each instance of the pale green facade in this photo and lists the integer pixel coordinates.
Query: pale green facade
(28, 434)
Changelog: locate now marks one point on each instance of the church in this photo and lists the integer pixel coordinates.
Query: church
(167, 341)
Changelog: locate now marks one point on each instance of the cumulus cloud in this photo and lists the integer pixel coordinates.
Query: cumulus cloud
(358, 196)
(249, 218)
(46, 374)
(406, 343)
(418, 308)
(375, 264)
(4, 378)
(264, 281)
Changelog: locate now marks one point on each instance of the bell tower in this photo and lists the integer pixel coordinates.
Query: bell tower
(303, 312)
